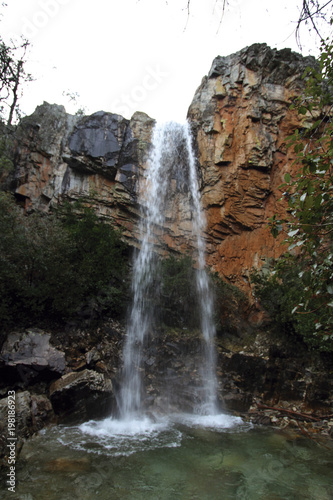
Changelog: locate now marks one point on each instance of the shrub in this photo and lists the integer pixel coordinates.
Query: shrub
(281, 293)
(53, 267)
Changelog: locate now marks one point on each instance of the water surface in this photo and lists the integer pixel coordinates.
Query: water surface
(185, 458)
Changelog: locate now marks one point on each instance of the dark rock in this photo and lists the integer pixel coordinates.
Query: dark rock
(32, 413)
(41, 411)
(97, 142)
(261, 420)
(249, 371)
(80, 396)
(275, 66)
(239, 402)
(30, 356)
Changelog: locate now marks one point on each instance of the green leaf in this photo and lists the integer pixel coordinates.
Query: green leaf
(317, 201)
(287, 177)
(309, 202)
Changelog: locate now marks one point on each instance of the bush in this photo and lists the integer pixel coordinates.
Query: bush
(53, 267)
(308, 224)
(230, 306)
(281, 292)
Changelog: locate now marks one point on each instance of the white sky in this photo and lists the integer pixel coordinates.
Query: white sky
(124, 56)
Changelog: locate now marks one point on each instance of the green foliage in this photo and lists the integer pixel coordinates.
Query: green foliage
(281, 292)
(6, 150)
(52, 267)
(99, 256)
(309, 225)
(230, 304)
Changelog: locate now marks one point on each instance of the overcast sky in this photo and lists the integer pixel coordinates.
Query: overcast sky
(124, 56)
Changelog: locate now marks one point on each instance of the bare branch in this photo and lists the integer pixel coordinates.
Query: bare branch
(307, 15)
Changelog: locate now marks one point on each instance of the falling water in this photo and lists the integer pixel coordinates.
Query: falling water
(209, 405)
(153, 197)
(172, 158)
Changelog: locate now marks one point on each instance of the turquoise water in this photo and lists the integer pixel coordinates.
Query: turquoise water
(185, 458)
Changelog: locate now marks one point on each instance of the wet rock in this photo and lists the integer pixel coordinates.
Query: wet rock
(41, 411)
(65, 464)
(29, 356)
(239, 402)
(31, 413)
(93, 356)
(80, 396)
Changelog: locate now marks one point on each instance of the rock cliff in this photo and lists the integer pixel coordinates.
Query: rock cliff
(240, 117)
(94, 158)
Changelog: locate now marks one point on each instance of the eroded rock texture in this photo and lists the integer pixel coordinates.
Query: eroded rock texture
(94, 158)
(241, 116)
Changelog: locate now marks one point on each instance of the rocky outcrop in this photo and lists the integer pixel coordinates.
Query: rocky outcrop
(241, 118)
(30, 414)
(28, 358)
(49, 378)
(95, 159)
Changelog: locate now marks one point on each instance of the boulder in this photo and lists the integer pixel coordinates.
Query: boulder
(31, 413)
(80, 396)
(27, 356)
(99, 143)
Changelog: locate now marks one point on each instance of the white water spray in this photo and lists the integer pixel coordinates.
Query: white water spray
(206, 302)
(172, 158)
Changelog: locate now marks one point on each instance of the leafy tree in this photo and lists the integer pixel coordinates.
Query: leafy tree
(309, 224)
(36, 276)
(100, 259)
(57, 269)
(6, 150)
(278, 291)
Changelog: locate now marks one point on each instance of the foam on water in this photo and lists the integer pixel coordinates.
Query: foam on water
(128, 428)
(218, 422)
(124, 437)
(121, 437)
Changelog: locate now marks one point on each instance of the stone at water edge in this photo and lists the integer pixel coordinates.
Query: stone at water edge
(80, 396)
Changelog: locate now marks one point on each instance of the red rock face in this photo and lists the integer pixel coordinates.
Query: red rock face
(241, 117)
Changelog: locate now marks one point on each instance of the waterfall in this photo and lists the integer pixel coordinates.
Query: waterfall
(172, 163)
(209, 405)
